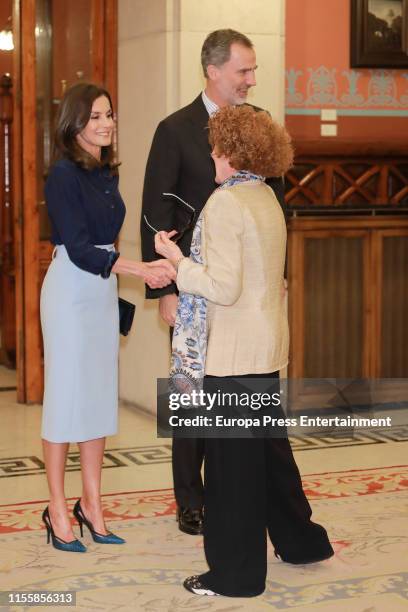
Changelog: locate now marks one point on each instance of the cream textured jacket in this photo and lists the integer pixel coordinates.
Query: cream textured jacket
(243, 248)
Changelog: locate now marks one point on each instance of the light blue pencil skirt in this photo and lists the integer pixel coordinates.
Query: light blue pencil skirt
(80, 325)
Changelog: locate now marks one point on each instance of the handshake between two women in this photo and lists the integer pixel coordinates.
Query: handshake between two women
(156, 274)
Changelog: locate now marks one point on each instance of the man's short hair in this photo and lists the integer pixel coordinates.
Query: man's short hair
(216, 49)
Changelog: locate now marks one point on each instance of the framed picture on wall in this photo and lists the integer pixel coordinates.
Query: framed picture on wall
(379, 33)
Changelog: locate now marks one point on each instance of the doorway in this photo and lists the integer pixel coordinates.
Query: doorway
(7, 277)
(53, 49)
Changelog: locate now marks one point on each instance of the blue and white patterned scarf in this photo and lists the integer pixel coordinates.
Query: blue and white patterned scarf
(189, 346)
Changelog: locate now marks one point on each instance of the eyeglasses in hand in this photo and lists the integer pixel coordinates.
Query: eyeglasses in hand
(184, 217)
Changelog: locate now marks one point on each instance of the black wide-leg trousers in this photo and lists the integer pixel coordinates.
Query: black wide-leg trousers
(253, 485)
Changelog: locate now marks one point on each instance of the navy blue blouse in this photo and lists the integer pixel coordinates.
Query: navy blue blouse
(85, 209)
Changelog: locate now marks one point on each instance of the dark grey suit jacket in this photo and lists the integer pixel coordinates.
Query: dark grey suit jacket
(179, 162)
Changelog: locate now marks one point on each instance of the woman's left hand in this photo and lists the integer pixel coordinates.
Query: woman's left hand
(166, 247)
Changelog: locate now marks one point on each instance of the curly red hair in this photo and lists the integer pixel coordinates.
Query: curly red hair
(251, 140)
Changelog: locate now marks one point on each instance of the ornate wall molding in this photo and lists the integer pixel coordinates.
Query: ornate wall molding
(325, 86)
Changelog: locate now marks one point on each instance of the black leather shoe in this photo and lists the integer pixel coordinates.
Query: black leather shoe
(190, 521)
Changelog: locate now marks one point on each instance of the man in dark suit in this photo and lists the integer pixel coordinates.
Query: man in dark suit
(179, 163)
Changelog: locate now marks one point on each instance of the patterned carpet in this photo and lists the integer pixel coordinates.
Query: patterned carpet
(363, 510)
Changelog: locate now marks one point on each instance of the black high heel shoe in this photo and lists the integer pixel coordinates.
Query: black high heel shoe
(109, 538)
(73, 546)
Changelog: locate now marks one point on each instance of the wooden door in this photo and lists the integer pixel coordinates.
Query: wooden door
(348, 297)
(7, 270)
(391, 280)
(57, 43)
(329, 296)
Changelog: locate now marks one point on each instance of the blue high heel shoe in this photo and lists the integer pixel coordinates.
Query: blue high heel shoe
(109, 538)
(73, 546)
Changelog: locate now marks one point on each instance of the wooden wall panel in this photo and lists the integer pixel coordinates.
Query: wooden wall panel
(98, 40)
(296, 304)
(31, 227)
(334, 294)
(343, 304)
(111, 50)
(18, 204)
(394, 319)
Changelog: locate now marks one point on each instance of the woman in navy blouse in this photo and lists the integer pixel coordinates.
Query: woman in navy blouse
(79, 308)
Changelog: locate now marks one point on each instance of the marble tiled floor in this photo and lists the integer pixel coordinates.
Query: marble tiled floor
(357, 491)
(7, 377)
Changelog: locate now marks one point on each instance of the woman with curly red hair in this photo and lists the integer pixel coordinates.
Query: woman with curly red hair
(231, 322)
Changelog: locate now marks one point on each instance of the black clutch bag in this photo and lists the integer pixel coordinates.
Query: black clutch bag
(126, 314)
